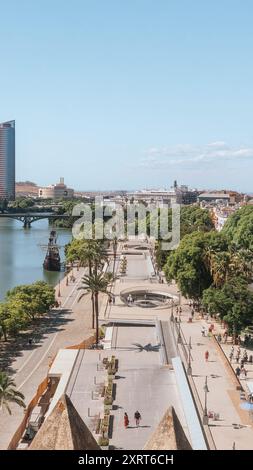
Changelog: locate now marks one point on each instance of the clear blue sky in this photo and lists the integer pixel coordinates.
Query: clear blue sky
(129, 94)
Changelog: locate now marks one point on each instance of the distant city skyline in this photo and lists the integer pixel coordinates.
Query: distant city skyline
(130, 94)
(148, 188)
(7, 160)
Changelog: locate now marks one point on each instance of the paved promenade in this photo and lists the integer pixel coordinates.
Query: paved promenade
(234, 426)
(68, 325)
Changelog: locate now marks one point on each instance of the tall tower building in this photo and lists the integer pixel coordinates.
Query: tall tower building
(7, 160)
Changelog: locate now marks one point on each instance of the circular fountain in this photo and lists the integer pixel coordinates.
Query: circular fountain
(148, 298)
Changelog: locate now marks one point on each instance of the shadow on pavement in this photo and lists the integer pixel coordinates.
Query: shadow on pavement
(13, 348)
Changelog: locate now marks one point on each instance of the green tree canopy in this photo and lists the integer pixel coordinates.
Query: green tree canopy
(239, 228)
(33, 299)
(12, 318)
(233, 302)
(190, 263)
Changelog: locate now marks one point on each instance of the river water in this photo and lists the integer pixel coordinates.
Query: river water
(22, 254)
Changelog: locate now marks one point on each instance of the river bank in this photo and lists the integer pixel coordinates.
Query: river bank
(22, 254)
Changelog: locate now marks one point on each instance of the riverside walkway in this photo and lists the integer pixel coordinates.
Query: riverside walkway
(67, 325)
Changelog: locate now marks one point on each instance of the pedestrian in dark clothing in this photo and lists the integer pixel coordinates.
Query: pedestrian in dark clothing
(137, 417)
(237, 372)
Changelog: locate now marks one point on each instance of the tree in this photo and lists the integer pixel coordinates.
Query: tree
(8, 393)
(12, 318)
(114, 247)
(33, 299)
(239, 228)
(3, 205)
(187, 266)
(90, 253)
(233, 302)
(96, 283)
(21, 204)
(193, 219)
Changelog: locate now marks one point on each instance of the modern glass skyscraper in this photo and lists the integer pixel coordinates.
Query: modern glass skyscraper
(7, 160)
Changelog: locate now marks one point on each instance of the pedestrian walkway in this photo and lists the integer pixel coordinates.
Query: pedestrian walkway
(233, 425)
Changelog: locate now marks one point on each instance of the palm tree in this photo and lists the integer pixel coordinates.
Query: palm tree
(8, 393)
(209, 253)
(90, 253)
(114, 247)
(96, 283)
(241, 263)
(220, 268)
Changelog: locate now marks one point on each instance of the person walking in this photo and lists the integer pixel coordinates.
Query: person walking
(137, 417)
(206, 355)
(245, 356)
(225, 336)
(126, 420)
(237, 372)
(244, 371)
(203, 331)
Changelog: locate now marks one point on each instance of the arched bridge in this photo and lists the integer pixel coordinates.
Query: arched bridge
(28, 218)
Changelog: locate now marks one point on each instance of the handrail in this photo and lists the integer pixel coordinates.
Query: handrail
(193, 388)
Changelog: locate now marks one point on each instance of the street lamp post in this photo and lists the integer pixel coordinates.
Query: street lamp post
(59, 290)
(189, 368)
(179, 339)
(172, 312)
(205, 415)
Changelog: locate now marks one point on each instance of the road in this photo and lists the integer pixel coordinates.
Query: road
(64, 327)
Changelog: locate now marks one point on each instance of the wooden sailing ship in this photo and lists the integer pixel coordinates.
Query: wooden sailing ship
(52, 261)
